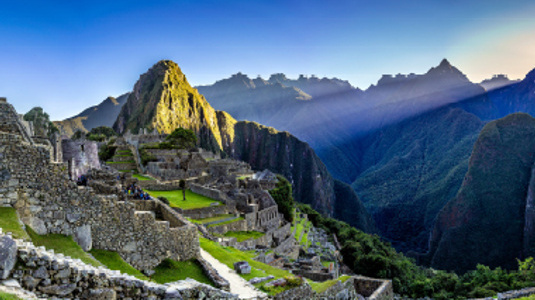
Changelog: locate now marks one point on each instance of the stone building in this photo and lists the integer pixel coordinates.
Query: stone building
(80, 156)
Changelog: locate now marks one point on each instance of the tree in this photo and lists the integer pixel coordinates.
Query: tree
(41, 122)
(182, 185)
(100, 133)
(182, 138)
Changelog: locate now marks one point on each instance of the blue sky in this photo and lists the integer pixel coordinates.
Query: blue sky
(68, 55)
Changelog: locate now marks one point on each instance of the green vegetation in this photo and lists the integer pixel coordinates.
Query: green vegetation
(142, 177)
(370, 256)
(227, 222)
(121, 162)
(62, 244)
(244, 235)
(106, 152)
(211, 219)
(7, 296)
(171, 270)
(42, 125)
(193, 200)
(113, 261)
(100, 133)
(9, 222)
(229, 256)
(321, 287)
(182, 138)
(532, 297)
(282, 194)
(145, 156)
(301, 225)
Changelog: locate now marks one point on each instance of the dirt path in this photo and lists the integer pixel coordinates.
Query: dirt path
(238, 285)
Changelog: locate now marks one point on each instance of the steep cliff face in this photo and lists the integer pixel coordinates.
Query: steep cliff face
(266, 148)
(163, 99)
(485, 222)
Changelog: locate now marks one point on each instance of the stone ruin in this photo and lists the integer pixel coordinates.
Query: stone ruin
(45, 198)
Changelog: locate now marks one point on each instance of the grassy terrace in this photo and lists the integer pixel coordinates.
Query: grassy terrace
(300, 225)
(229, 255)
(62, 244)
(113, 261)
(142, 177)
(244, 235)
(211, 219)
(192, 200)
(227, 222)
(172, 270)
(9, 222)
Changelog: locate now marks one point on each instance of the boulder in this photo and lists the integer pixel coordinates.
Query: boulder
(8, 256)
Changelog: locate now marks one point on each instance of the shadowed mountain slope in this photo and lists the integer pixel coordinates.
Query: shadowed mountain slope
(490, 219)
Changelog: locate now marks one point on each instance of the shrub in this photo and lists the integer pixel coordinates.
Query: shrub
(282, 194)
(106, 152)
(163, 199)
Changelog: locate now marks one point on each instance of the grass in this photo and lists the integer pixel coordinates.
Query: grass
(230, 255)
(211, 219)
(142, 177)
(227, 222)
(193, 200)
(321, 287)
(124, 155)
(244, 235)
(123, 152)
(114, 261)
(171, 270)
(62, 244)
(121, 162)
(9, 222)
(532, 297)
(8, 296)
(326, 264)
(301, 225)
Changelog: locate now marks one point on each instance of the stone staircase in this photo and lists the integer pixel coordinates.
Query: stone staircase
(10, 123)
(121, 162)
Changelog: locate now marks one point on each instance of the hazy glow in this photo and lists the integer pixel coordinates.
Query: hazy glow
(506, 47)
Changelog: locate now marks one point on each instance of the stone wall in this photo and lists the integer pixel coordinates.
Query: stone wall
(340, 291)
(205, 212)
(80, 156)
(240, 225)
(53, 275)
(209, 192)
(49, 202)
(373, 289)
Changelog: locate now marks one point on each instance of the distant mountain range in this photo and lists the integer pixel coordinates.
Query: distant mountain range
(407, 146)
(103, 114)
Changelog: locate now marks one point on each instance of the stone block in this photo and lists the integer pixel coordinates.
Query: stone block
(8, 255)
(82, 236)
